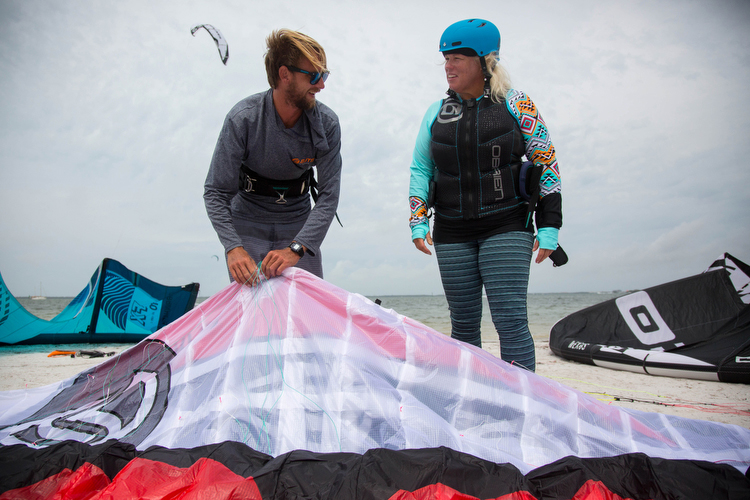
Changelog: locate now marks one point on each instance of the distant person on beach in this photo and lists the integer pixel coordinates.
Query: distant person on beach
(258, 188)
(466, 167)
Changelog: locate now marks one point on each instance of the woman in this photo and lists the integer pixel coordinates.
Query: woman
(469, 154)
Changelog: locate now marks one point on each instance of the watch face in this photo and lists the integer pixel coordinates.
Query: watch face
(297, 248)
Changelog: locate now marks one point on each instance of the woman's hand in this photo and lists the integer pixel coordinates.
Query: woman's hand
(543, 252)
(419, 243)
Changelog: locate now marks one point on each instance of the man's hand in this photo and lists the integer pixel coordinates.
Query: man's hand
(419, 243)
(242, 267)
(278, 260)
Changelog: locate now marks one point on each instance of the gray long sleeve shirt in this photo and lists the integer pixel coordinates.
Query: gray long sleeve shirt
(254, 134)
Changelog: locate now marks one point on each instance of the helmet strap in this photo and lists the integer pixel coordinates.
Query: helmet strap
(487, 76)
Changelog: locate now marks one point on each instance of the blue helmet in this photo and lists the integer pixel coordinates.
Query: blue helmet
(479, 35)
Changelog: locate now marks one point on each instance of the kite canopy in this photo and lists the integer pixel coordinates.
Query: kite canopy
(220, 41)
(298, 385)
(697, 327)
(117, 305)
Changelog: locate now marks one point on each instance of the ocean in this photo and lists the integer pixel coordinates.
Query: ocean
(544, 309)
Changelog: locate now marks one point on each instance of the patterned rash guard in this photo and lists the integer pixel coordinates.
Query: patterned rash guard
(538, 149)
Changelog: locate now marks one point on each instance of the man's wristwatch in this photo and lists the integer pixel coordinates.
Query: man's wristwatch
(297, 248)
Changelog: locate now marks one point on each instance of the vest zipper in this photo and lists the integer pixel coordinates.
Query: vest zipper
(468, 146)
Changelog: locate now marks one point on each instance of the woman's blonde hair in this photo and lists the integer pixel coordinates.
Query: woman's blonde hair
(286, 47)
(500, 81)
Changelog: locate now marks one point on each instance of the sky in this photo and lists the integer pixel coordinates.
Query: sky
(109, 113)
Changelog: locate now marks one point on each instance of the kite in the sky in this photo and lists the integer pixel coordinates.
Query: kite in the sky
(221, 42)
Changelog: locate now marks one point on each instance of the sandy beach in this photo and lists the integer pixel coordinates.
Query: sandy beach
(715, 401)
(697, 399)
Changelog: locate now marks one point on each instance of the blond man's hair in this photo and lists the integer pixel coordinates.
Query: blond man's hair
(286, 48)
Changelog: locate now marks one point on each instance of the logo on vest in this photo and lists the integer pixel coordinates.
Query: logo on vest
(451, 111)
(497, 173)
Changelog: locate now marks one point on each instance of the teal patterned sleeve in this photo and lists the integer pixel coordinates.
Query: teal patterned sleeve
(421, 172)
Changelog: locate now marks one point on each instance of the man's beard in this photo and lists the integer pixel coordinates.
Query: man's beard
(299, 99)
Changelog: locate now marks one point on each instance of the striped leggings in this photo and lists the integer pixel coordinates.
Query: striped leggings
(500, 264)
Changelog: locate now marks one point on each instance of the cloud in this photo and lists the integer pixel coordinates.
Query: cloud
(111, 112)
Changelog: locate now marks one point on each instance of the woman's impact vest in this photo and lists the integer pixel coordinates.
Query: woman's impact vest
(477, 147)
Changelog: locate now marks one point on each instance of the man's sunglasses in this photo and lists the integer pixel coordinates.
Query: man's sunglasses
(315, 77)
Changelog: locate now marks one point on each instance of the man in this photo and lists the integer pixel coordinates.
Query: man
(257, 188)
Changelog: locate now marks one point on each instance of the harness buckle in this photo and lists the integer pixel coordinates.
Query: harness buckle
(246, 183)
